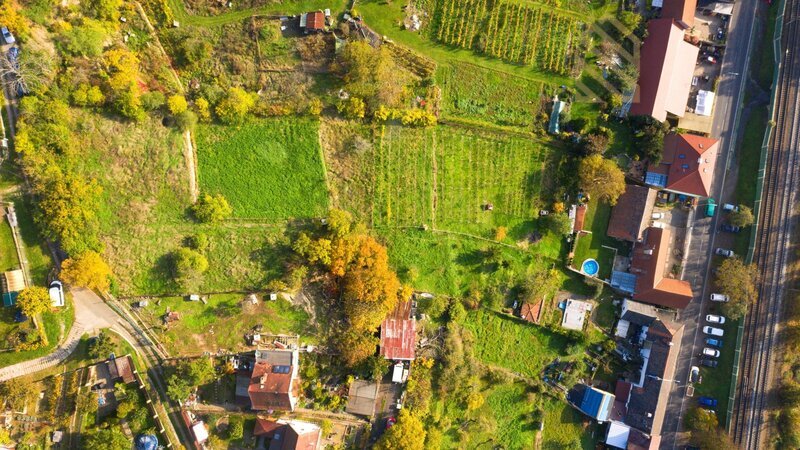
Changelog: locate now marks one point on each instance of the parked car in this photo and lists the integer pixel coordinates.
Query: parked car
(694, 374)
(714, 342)
(713, 331)
(7, 36)
(657, 215)
(712, 352)
(719, 298)
(713, 318)
(709, 402)
(727, 207)
(730, 228)
(725, 252)
(709, 362)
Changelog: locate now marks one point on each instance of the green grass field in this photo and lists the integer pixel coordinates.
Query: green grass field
(56, 325)
(285, 7)
(223, 322)
(269, 169)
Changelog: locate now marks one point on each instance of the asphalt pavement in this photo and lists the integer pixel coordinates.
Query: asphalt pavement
(703, 233)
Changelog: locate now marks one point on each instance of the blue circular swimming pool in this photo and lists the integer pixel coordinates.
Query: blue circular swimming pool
(590, 267)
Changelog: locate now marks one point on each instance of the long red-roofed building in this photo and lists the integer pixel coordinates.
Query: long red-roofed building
(666, 69)
(399, 334)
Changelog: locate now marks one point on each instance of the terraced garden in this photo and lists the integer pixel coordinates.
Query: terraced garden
(520, 33)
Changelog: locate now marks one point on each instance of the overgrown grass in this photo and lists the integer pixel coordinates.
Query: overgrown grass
(223, 322)
(717, 381)
(40, 262)
(285, 7)
(749, 159)
(269, 169)
(482, 94)
(56, 325)
(507, 342)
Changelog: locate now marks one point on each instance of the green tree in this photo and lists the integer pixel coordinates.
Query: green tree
(203, 110)
(601, 178)
(540, 284)
(648, 134)
(178, 389)
(102, 347)
(102, 9)
(370, 288)
(699, 419)
(235, 428)
(186, 121)
(124, 408)
(86, 39)
(210, 208)
(558, 223)
(33, 301)
(68, 205)
(197, 371)
(87, 270)
(372, 75)
(630, 20)
(742, 218)
(16, 392)
(352, 108)
(106, 439)
(188, 266)
(407, 434)
(738, 281)
(235, 106)
(355, 347)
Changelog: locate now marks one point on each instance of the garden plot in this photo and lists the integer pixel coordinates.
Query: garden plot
(451, 177)
(476, 93)
(267, 169)
(527, 34)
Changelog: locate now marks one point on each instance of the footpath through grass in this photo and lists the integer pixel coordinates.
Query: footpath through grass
(277, 8)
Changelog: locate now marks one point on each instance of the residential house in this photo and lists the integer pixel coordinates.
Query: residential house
(270, 381)
(631, 215)
(121, 369)
(687, 165)
(682, 11)
(399, 333)
(634, 314)
(362, 397)
(287, 434)
(197, 429)
(667, 65)
(648, 278)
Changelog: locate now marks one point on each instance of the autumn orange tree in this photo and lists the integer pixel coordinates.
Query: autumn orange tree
(359, 267)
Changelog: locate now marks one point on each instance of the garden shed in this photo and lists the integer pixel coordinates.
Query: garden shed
(13, 281)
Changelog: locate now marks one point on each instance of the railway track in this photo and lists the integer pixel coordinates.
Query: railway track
(772, 241)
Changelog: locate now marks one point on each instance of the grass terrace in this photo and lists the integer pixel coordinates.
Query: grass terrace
(595, 244)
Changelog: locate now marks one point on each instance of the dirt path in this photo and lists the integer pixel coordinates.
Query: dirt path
(191, 165)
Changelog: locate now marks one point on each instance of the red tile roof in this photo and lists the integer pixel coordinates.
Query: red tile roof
(315, 21)
(680, 10)
(531, 311)
(665, 71)
(289, 434)
(688, 161)
(649, 264)
(399, 334)
(271, 387)
(631, 215)
(124, 369)
(192, 425)
(580, 217)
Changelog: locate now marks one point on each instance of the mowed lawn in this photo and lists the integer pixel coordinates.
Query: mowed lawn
(267, 169)
(223, 321)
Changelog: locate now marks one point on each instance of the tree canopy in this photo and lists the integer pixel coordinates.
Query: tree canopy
(372, 75)
(102, 347)
(742, 218)
(371, 288)
(407, 434)
(106, 439)
(648, 135)
(601, 178)
(87, 270)
(211, 208)
(558, 223)
(33, 301)
(234, 107)
(188, 266)
(738, 282)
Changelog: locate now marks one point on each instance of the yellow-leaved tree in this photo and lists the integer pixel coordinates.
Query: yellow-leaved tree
(87, 270)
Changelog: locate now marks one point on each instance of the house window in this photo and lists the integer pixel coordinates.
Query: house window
(682, 156)
(684, 166)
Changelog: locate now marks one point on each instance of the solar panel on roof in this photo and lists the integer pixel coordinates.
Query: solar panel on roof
(623, 281)
(281, 369)
(655, 179)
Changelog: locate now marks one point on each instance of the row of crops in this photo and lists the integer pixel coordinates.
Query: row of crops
(522, 34)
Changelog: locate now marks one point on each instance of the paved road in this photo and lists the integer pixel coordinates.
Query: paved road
(703, 234)
(91, 314)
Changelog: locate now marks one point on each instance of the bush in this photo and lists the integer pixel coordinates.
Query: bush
(188, 266)
(211, 208)
(186, 121)
(352, 108)
(177, 104)
(152, 101)
(235, 106)
(198, 242)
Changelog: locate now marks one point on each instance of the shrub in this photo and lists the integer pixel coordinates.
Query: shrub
(188, 266)
(152, 101)
(235, 106)
(211, 208)
(352, 108)
(186, 121)
(177, 104)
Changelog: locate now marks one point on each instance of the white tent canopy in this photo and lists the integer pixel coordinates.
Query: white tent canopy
(705, 101)
(723, 9)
